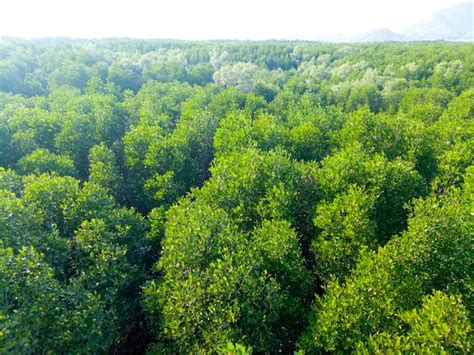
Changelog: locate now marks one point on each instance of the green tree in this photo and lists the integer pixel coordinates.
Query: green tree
(125, 75)
(42, 161)
(393, 183)
(346, 226)
(218, 303)
(433, 254)
(441, 325)
(103, 170)
(76, 139)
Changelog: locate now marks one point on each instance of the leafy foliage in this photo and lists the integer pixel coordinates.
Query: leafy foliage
(235, 197)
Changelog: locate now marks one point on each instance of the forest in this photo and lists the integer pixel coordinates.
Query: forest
(233, 197)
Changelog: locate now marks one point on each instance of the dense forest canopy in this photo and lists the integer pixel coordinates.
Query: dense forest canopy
(236, 197)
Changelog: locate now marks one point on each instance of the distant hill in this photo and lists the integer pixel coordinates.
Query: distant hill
(379, 35)
(453, 23)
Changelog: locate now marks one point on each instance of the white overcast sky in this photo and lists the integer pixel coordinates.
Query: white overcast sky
(209, 19)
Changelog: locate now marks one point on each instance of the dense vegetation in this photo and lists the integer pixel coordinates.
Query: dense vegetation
(177, 197)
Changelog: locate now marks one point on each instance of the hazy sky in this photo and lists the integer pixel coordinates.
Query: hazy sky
(209, 19)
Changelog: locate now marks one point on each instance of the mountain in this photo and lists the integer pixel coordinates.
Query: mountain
(453, 23)
(379, 35)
